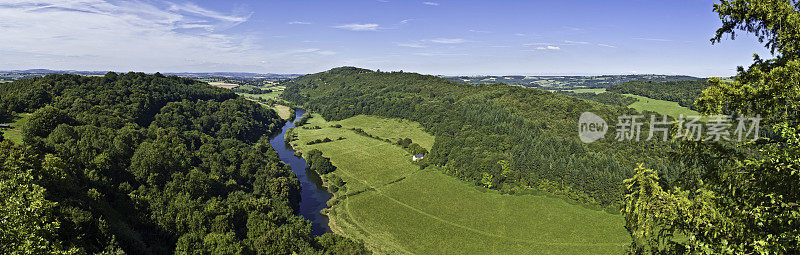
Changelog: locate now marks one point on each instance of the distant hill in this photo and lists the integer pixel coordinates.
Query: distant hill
(13, 75)
(568, 81)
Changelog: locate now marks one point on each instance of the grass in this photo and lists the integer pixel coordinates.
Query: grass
(283, 111)
(661, 106)
(394, 207)
(14, 134)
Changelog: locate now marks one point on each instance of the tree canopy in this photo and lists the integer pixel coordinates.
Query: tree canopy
(147, 164)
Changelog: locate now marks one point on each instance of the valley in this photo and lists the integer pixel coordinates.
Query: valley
(394, 206)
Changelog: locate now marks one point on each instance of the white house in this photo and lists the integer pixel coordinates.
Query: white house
(417, 157)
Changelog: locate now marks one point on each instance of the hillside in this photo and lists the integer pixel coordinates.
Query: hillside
(508, 138)
(146, 164)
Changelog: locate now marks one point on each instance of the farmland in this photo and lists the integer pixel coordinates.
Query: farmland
(395, 207)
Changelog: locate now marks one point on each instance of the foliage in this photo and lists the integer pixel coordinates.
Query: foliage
(609, 98)
(148, 164)
(27, 219)
(748, 201)
(319, 163)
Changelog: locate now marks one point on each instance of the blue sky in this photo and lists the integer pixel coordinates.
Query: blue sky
(433, 37)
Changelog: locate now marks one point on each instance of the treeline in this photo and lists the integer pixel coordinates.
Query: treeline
(147, 164)
(252, 90)
(609, 98)
(683, 92)
(479, 126)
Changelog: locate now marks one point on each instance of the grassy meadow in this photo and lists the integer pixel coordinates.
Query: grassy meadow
(394, 207)
(15, 133)
(661, 106)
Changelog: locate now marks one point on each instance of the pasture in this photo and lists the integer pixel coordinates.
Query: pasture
(661, 106)
(395, 207)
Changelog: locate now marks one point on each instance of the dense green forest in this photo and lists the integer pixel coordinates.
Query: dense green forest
(147, 164)
(609, 98)
(749, 199)
(504, 137)
(683, 92)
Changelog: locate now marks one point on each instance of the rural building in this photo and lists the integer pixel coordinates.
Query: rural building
(417, 157)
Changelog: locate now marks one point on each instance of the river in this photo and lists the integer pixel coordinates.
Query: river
(313, 196)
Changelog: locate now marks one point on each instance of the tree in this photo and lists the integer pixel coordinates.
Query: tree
(749, 199)
(43, 121)
(27, 221)
(417, 149)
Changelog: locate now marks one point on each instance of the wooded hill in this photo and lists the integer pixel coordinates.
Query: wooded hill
(147, 164)
(503, 137)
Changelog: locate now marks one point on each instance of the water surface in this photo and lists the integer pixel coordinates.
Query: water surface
(313, 197)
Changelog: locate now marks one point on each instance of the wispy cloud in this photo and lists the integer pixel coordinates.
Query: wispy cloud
(309, 51)
(431, 3)
(405, 21)
(299, 23)
(568, 42)
(536, 44)
(433, 54)
(448, 40)
(359, 27)
(520, 34)
(203, 12)
(652, 39)
(122, 34)
(411, 45)
(606, 45)
(549, 47)
(480, 31)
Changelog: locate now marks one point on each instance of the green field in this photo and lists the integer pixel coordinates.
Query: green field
(649, 104)
(14, 134)
(396, 208)
(661, 106)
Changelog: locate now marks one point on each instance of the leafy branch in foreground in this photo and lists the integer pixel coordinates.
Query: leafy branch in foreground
(748, 200)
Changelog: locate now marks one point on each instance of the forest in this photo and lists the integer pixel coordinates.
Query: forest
(147, 164)
(509, 138)
(609, 98)
(685, 93)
